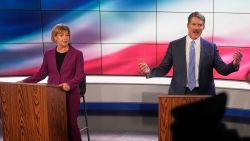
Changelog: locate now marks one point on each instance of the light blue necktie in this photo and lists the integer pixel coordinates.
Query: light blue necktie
(191, 67)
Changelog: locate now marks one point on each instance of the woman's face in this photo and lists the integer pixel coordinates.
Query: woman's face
(62, 39)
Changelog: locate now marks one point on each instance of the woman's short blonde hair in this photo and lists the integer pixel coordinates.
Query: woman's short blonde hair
(58, 29)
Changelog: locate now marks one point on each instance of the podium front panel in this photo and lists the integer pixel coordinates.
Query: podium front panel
(33, 112)
(166, 104)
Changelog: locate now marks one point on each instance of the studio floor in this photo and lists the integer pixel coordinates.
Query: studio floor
(139, 128)
(120, 128)
(135, 127)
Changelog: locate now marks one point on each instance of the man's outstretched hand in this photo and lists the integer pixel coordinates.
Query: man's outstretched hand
(143, 67)
(237, 56)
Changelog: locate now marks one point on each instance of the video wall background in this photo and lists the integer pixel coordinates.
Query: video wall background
(114, 34)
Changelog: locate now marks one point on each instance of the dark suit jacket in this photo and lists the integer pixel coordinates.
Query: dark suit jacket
(71, 71)
(176, 57)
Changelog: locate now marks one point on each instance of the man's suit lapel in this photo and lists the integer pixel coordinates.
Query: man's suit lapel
(202, 54)
(183, 62)
(183, 53)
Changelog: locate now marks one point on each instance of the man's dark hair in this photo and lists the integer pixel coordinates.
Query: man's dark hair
(198, 15)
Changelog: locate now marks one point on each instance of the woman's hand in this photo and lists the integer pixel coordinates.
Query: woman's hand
(64, 86)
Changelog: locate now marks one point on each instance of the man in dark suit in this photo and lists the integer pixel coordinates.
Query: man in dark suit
(193, 60)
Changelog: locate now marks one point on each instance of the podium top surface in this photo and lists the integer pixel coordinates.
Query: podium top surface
(35, 84)
(183, 95)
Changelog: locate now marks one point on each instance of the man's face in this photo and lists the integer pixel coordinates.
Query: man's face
(195, 28)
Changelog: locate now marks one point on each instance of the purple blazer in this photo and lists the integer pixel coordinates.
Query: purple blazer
(71, 71)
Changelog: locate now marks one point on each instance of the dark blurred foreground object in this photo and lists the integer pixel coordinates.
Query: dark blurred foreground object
(201, 121)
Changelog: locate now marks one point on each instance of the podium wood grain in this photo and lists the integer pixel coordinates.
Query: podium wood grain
(166, 104)
(33, 112)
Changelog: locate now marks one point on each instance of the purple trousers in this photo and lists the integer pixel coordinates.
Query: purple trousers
(73, 103)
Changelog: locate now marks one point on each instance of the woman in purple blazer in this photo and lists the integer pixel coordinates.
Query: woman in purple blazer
(64, 67)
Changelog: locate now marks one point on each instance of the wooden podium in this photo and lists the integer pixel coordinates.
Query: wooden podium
(166, 104)
(33, 112)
